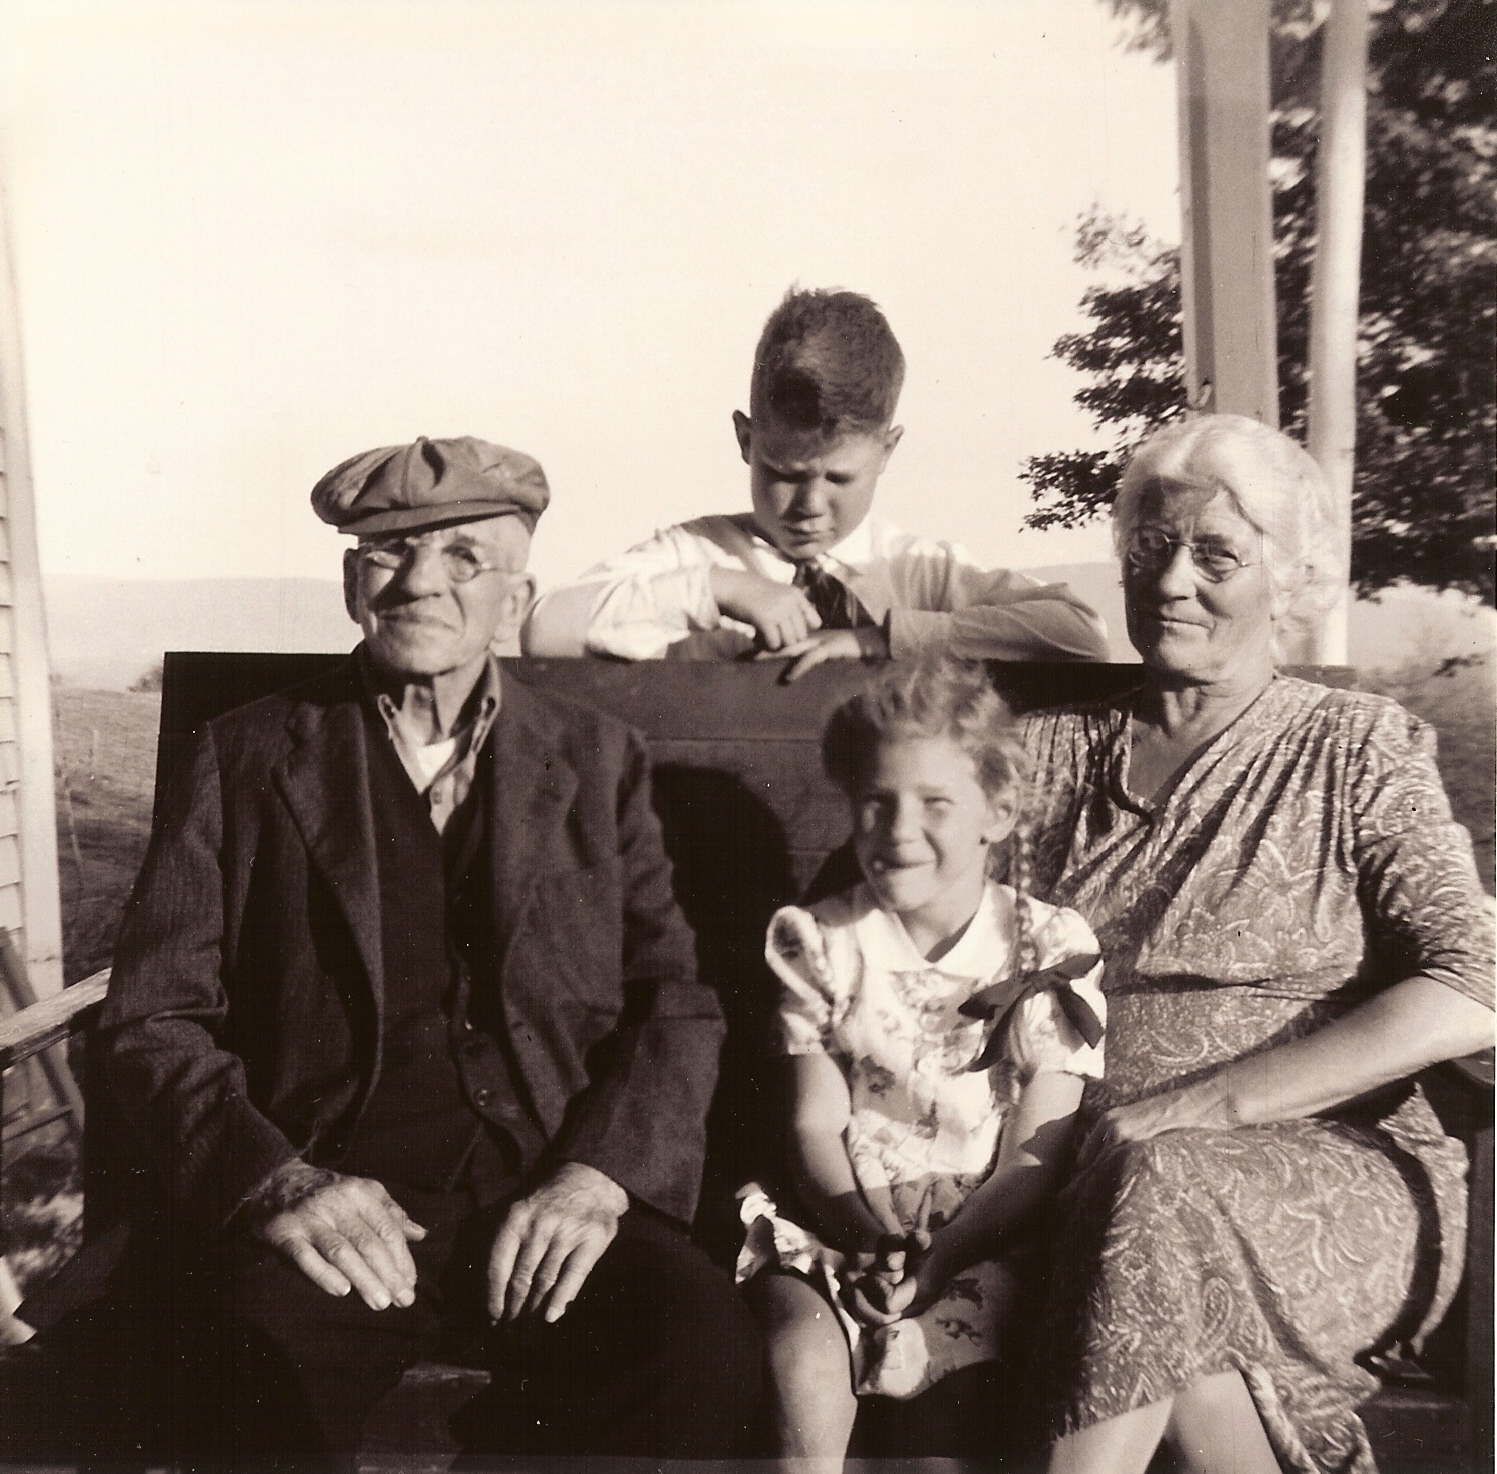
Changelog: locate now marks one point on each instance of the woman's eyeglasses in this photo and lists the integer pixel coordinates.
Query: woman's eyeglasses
(1151, 551)
(460, 562)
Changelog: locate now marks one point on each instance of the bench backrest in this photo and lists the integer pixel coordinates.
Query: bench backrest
(736, 753)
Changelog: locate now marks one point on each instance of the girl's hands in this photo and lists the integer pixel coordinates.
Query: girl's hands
(896, 1280)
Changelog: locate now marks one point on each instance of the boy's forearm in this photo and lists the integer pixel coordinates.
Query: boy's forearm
(633, 617)
(1034, 629)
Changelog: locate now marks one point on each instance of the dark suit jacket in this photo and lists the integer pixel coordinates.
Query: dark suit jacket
(243, 1022)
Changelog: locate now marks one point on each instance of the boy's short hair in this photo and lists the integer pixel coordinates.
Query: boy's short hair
(827, 361)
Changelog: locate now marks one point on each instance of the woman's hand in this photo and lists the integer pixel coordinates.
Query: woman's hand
(1394, 1034)
(1200, 1106)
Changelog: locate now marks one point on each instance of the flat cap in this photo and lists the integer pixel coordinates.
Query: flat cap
(431, 483)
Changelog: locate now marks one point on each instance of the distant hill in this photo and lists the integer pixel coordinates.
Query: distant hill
(1404, 627)
(105, 633)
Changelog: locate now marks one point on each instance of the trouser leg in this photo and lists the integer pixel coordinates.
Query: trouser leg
(657, 1356)
(270, 1372)
(308, 1366)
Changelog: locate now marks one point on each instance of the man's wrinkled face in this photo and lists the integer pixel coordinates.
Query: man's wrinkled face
(810, 491)
(431, 603)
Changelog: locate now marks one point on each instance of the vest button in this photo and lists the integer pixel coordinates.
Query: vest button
(483, 1097)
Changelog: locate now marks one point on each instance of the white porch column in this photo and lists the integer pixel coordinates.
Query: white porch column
(1335, 282)
(29, 898)
(1231, 340)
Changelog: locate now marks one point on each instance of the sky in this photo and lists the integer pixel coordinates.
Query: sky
(254, 237)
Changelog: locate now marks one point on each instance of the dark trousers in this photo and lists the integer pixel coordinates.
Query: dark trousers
(656, 1356)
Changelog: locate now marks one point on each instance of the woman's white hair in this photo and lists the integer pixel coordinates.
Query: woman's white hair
(1273, 482)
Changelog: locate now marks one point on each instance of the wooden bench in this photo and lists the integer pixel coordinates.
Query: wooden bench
(749, 819)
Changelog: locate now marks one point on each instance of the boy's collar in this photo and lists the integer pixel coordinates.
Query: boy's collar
(854, 551)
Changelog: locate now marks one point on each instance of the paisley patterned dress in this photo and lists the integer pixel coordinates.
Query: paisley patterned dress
(1305, 859)
(924, 1130)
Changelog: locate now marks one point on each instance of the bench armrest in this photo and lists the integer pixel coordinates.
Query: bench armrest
(1476, 1069)
(51, 1020)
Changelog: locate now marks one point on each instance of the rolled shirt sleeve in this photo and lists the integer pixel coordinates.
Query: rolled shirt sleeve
(633, 607)
(945, 602)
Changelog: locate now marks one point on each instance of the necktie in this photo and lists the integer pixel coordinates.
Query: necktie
(837, 605)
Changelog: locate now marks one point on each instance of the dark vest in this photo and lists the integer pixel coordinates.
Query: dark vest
(449, 1108)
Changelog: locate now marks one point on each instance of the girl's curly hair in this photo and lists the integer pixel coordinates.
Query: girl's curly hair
(928, 698)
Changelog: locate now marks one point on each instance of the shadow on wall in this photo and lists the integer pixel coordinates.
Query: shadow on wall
(732, 871)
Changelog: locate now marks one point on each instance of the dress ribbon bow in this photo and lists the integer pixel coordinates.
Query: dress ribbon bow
(998, 1000)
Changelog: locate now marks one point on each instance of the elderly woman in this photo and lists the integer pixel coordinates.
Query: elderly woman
(1293, 929)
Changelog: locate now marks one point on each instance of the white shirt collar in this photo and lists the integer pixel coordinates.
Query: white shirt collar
(854, 552)
(884, 943)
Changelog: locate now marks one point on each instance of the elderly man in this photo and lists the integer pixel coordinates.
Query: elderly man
(404, 1018)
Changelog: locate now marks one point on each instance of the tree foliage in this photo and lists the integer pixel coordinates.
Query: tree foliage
(1423, 495)
(149, 679)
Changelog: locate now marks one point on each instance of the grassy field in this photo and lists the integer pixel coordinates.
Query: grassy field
(106, 772)
(105, 752)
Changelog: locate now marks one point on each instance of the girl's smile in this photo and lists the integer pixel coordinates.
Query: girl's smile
(922, 830)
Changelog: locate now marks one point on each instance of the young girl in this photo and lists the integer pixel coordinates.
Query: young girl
(938, 1027)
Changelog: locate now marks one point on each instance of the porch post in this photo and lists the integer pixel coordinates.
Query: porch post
(29, 898)
(1335, 283)
(1226, 263)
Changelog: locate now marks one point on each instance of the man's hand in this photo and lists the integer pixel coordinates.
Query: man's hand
(867, 643)
(342, 1232)
(551, 1239)
(780, 613)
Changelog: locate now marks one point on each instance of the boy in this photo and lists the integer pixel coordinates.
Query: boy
(808, 574)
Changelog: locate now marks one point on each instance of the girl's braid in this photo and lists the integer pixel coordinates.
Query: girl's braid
(1020, 869)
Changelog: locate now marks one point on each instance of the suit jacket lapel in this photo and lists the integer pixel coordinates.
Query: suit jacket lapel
(533, 789)
(325, 783)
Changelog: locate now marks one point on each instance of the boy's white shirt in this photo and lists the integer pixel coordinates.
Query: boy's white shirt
(655, 600)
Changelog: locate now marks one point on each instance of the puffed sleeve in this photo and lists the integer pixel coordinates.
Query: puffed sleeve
(1417, 880)
(810, 1000)
(1041, 1038)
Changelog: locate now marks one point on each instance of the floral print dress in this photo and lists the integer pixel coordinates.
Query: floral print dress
(1303, 860)
(924, 1131)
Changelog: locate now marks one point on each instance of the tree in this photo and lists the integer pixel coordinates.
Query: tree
(1422, 507)
(149, 679)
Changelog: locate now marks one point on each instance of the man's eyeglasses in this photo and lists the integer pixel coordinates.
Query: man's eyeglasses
(1151, 551)
(460, 562)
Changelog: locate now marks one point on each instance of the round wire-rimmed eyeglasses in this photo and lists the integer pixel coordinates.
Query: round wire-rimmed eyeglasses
(1150, 551)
